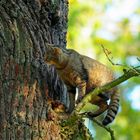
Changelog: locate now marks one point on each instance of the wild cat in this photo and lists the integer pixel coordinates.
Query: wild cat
(85, 74)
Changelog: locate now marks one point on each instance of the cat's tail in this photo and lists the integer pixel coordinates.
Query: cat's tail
(113, 107)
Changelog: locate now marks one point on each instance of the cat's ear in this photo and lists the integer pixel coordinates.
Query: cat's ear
(53, 49)
(56, 51)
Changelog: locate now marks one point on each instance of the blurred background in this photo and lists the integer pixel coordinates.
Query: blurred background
(115, 24)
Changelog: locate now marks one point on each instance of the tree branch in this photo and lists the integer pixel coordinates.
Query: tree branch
(127, 75)
(108, 53)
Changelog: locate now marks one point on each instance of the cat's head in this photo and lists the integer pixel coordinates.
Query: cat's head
(53, 55)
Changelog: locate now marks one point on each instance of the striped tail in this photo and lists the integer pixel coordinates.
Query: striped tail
(113, 107)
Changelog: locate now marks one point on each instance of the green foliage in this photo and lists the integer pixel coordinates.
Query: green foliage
(91, 25)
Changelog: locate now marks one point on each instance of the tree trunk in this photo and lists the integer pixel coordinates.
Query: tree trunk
(28, 87)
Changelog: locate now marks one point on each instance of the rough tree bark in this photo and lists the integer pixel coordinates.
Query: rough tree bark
(26, 82)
